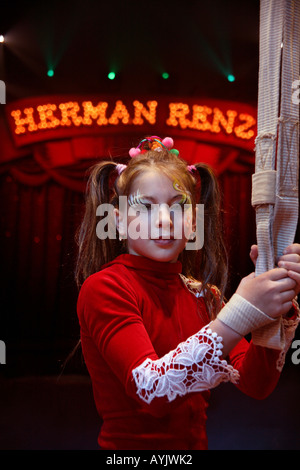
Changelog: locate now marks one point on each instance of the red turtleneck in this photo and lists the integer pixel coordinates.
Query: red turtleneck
(136, 308)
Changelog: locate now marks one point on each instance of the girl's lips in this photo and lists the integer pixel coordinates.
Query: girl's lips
(163, 241)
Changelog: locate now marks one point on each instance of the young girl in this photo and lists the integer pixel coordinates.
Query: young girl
(155, 331)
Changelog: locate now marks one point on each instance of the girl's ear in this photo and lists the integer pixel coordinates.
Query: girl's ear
(120, 222)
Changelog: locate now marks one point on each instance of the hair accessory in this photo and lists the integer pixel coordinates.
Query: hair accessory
(133, 152)
(120, 168)
(191, 168)
(153, 143)
(168, 142)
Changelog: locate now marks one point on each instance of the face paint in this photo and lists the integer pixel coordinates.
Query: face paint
(135, 199)
(159, 231)
(186, 195)
(186, 204)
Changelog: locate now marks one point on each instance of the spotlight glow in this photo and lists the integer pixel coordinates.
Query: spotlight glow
(111, 75)
(231, 78)
(165, 75)
(50, 73)
(1, 38)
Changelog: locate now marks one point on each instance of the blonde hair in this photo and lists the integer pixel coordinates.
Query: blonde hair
(208, 265)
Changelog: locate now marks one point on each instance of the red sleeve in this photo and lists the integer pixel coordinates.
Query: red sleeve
(112, 317)
(109, 313)
(257, 368)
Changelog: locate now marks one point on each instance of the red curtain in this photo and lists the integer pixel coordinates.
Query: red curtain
(39, 217)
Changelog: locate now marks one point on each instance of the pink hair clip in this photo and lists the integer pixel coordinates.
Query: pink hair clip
(120, 168)
(191, 168)
(134, 152)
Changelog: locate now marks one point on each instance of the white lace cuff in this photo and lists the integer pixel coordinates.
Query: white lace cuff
(193, 366)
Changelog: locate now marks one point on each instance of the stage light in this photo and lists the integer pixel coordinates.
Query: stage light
(50, 73)
(111, 75)
(231, 78)
(165, 75)
(1, 38)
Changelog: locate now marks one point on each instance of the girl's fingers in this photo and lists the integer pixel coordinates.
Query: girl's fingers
(287, 296)
(294, 275)
(287, 284)
(254, 254)
(291, 262)
(286, 307)
(294, 258)
(290, 265)
(294, 248)
(275, 274)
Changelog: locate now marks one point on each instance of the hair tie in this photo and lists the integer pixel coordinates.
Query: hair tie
(153, 143)
(120, 168)
(191, 168)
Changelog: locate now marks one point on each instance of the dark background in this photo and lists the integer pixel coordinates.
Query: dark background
(198, 43)
(46, 402)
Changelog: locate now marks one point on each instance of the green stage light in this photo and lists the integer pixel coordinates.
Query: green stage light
(165, 75)
(111, 75)
(231, 78)
(50, 73)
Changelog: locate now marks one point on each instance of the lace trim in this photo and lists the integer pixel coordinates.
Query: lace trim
(289, 329)
(194, 366)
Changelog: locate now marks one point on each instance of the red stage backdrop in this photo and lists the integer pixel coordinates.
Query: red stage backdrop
(47, 144)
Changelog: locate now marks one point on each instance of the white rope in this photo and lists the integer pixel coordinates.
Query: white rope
(277, 143)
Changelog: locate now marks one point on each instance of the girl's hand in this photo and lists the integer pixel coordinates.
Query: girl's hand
(254, 254)
(290, 261)
(271, 292)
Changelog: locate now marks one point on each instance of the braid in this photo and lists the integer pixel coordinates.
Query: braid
(212, 259)
(94, 252)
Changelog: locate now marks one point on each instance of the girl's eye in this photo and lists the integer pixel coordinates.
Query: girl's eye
(144, 207)
(141, 206)
(178, 206)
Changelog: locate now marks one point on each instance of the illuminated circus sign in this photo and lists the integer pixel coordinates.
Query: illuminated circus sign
(54, 117)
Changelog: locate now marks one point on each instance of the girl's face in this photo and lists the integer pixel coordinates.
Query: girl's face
(156, 225)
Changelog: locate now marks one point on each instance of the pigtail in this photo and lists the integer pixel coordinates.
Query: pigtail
(212, 263)
(93, 252)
